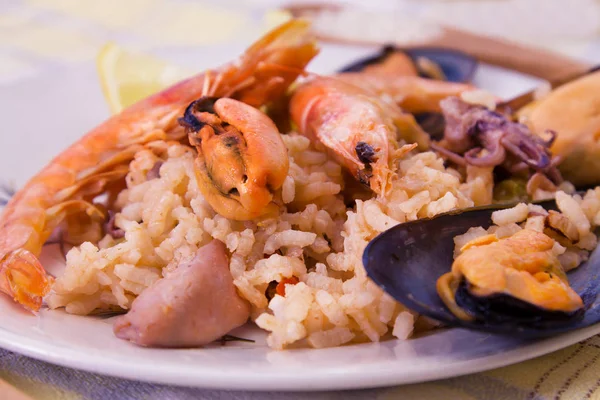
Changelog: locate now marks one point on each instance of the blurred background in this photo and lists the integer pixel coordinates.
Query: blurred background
(41, 34)
(59, 51)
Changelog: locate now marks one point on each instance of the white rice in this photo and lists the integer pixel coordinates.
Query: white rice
(316, 239)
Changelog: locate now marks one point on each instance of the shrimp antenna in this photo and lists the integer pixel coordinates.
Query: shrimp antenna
(243, 84)
(251, 80)
(215, 85)
(206, 84)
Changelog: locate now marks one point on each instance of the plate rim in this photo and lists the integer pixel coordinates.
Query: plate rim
(330, 379)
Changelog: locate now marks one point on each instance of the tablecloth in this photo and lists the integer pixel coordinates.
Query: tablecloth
(38, 35)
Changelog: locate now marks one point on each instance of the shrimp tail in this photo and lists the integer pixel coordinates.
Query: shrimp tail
(24, 279)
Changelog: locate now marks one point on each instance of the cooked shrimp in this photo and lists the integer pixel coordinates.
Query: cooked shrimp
(68, 185)
(360, 130)
(396, 79)
(414, 94)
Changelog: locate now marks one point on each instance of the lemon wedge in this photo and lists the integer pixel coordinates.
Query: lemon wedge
(127, 77)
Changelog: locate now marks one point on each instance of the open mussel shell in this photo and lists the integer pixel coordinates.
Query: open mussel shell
(407, 260)
(457, 66)
(502, 308)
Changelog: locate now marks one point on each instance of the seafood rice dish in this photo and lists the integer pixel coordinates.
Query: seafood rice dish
(249, 193)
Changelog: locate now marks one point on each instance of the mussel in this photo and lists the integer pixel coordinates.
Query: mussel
(503, 279)
(407, 260)
(455, 65)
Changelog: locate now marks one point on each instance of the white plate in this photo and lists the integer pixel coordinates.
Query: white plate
(43, 115)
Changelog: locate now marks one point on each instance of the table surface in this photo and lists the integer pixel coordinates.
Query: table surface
(38, 36)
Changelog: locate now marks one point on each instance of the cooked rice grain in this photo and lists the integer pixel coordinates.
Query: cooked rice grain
(316, 239)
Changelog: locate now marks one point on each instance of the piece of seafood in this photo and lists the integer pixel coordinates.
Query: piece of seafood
(481, 137)
(361, 131)
(395, 79)
(191, 306)
(427, 62)
(99, 161)
(407, 260)
(572, 110)
(434, 63)
(393, 63)
(412, 93)
(513, 277)
(241, 159)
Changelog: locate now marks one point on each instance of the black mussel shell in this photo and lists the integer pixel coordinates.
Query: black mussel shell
(407, 260)
(359, 65)
(501, 308)
(203, 104)
(433, 123)
(457, 66)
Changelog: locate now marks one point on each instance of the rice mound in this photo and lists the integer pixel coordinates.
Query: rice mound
(317, 239)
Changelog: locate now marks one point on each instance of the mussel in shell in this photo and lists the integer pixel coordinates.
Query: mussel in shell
(407, 260)
(514, 277)
(428, 62)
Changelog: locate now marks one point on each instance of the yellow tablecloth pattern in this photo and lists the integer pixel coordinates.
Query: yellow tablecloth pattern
(571, 373)
(38, 34)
